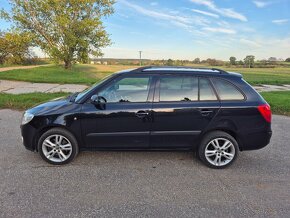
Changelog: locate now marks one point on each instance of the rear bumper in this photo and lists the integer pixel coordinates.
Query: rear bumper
(257, 140)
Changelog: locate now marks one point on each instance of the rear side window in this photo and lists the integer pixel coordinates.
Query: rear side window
(206, 92)
(227, 91)
(179, 88)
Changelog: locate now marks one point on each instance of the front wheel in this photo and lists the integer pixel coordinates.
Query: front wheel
(57, 146)
(218, 149)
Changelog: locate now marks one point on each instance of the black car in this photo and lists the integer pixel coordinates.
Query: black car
(212, 111)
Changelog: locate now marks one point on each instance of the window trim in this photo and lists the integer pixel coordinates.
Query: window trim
(234, 85)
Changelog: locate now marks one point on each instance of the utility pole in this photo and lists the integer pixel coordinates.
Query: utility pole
(140, 57)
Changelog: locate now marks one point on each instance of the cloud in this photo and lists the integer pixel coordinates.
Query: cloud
(154, 3)
(250, 43)
(261, 4)
(178, 20)
(280, 22)
(226, 12)
(219, 30)
(205, 13)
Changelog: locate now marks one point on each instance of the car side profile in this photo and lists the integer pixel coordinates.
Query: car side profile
(211, 111)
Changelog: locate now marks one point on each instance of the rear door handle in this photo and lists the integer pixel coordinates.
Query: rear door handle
(205, 112)
(142, 114)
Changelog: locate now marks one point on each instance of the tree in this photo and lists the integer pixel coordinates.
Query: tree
(287, 60)
(63, 29)
(272, 59)
(196, 61)
(249, 60)
(169, 62)
(240, 62)
(14, 47)
(233, 60)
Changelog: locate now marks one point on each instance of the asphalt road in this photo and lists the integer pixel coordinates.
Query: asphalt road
(139, 184)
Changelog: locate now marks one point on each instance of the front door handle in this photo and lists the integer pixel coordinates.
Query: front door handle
(142, 114)
(205, 112)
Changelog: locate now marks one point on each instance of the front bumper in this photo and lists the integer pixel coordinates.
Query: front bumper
(29, 134)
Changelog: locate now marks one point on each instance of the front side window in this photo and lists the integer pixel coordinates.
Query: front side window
(227, 91)
(130, 89)
(179, 88)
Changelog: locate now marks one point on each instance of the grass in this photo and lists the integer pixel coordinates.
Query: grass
(55, 74)
(89, 74)
(279, 101)
(24, 101)
(270, 76)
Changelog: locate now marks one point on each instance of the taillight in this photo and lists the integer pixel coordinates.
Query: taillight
(265, 111)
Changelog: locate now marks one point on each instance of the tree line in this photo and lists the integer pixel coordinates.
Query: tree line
(249, 62)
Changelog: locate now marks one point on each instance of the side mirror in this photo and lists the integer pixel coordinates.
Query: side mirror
(99, 102)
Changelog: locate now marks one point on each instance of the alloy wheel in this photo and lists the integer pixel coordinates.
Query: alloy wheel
(57, 148)
(220, 151)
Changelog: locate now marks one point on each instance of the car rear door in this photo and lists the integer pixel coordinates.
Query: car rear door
(183, 107)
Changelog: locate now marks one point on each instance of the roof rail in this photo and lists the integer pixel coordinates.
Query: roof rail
(141, 69)
(219, 70)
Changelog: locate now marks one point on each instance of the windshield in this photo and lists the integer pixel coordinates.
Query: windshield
(81, 94)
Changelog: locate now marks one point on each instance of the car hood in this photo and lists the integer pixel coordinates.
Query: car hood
(56, 106)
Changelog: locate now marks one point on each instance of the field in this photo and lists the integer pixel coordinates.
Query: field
(89, 74)
(270, 76)
(279, 101)
(24, 101)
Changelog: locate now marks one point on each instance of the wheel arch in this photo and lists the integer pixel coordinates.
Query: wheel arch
(226, 130)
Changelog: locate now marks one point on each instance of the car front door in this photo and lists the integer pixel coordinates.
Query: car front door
(183, 107)
(125, 120)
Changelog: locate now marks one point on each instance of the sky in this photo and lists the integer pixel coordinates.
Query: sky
(186, 29)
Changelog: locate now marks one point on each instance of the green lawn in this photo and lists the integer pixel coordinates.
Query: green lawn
(89, 74)
(270, 76)
(279, 101)
(24, 101)
(56, 74)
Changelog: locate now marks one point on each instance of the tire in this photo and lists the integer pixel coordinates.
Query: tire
(58, 146)
(218, 150)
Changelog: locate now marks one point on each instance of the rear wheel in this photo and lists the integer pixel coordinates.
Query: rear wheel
(57, 146)
(218, 149)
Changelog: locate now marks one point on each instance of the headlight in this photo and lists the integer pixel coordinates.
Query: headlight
(27, 117)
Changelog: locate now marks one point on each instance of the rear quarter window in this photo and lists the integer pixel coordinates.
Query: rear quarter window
(227, 91)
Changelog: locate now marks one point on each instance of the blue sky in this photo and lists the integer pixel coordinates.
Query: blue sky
(186, 29)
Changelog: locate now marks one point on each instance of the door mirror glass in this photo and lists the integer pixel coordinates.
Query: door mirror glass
(99, 102)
